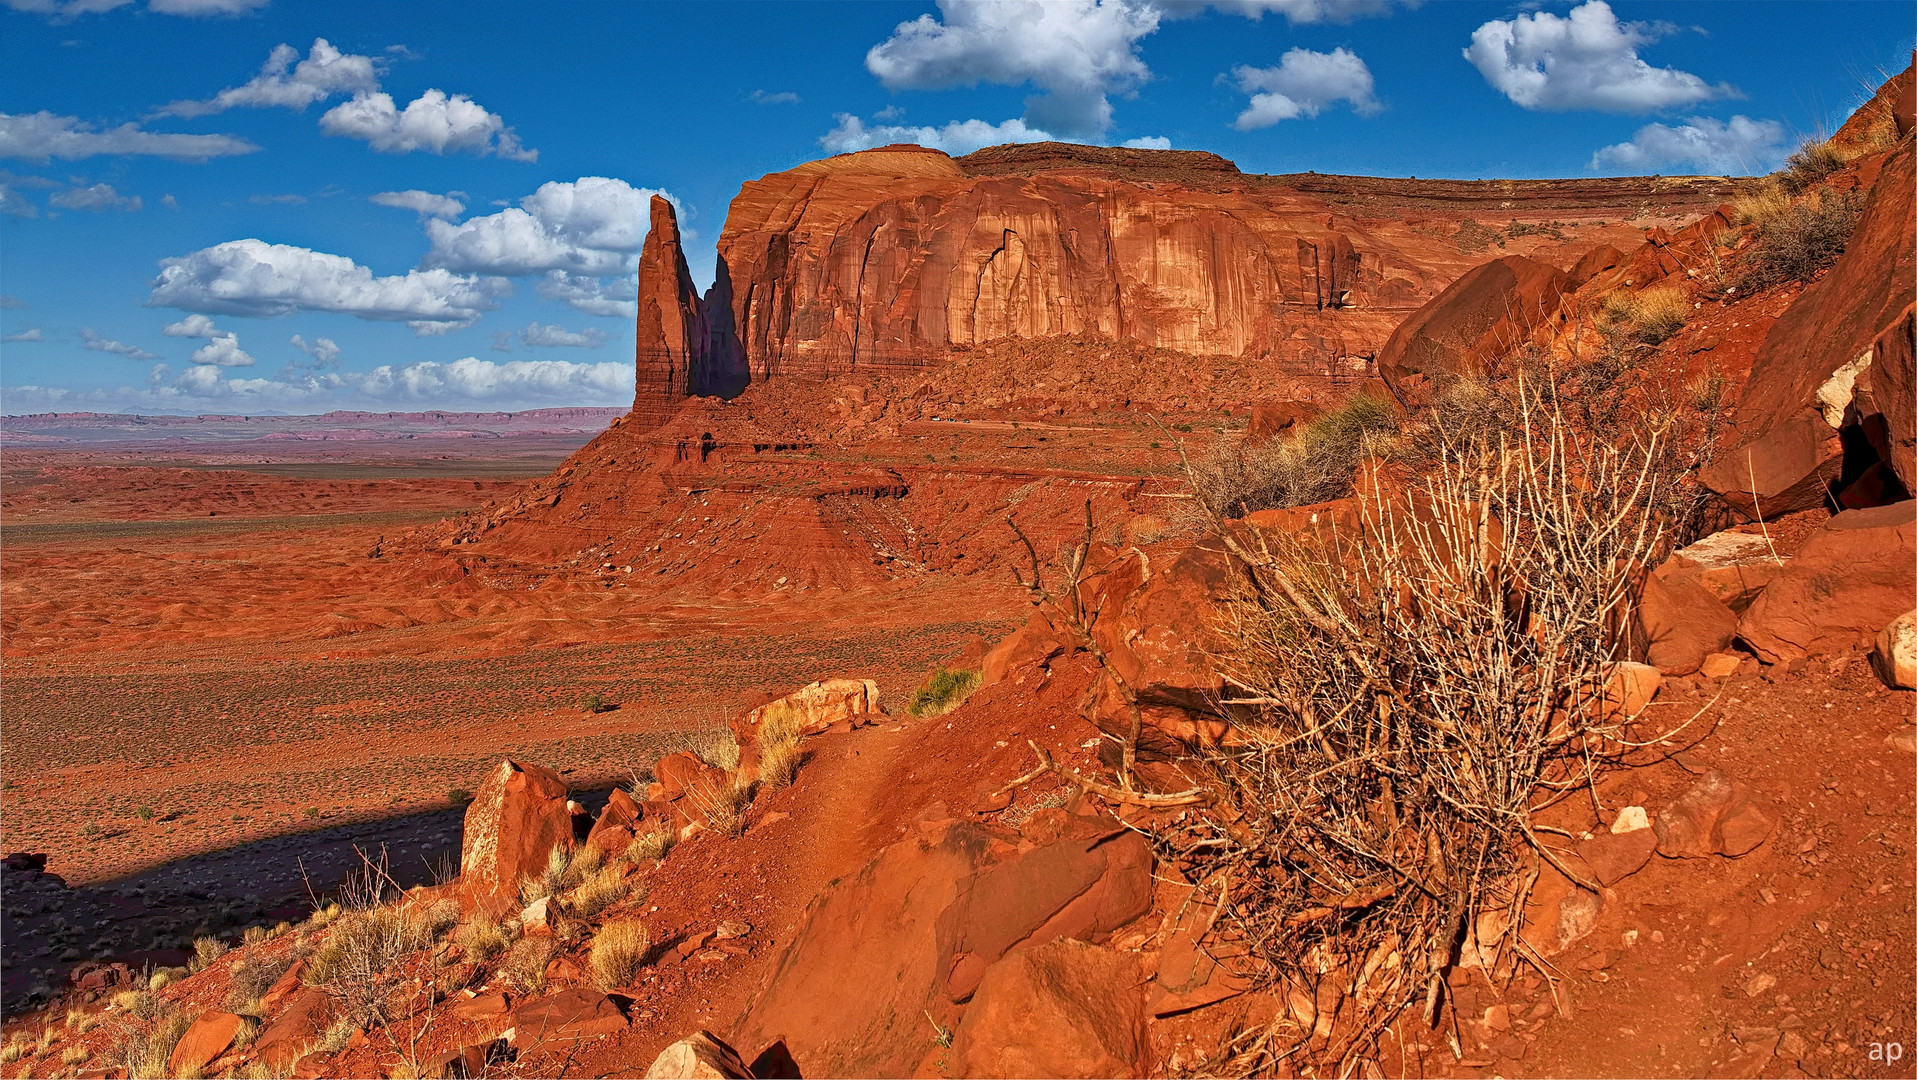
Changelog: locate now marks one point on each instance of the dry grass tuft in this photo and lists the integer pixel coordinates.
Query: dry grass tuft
(603, 889)
(721, 806)
(942, 691)
(618, 950)
(526, 961)
(1313, 465)
(251, 978)
(206, 949)
(654, 840)
(146, 1048)
(1810, 164)
(481, 940)
(1761, 202)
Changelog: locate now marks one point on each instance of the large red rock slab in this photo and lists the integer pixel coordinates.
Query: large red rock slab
(516, 818)
(1064, 1009)
(1849, 580)
(208, 1037)
(1477, 321)
(1080, 887)
(1681, 621)
(566, 1017)
(290, 1033)
(670, 349)
(850, 992)
(1788, 452)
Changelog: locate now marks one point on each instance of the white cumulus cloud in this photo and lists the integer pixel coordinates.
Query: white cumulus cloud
(424, 203)
(780, 97)
(98, 198)
(1076, 52)
(1305, 83)
(323, 351)
(16, 204)
(24, 336)
(1149, 142)
(592, 226)
(326, 72)
(1585, 59)
(435, 121)
(205, 8)
(93, 341)
(222, 347)
(1740, 146)
(43, 135)
(1298, 12)
(957, 137)
(252, 277)
(540, 336)
(616, 297)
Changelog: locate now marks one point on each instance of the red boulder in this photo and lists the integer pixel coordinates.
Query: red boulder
(516, 818)
(1849, 580)
(1062, 1009)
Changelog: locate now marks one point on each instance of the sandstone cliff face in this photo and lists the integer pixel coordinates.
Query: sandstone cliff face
(893, 258)
(673, 355)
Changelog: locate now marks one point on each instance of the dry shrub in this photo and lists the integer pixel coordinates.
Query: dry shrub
(1412, 691)
(617, 952)
(1810, 163)
(79, 1021)
(942, 691)
(1312, 465)
(206, 949)
(779, 762)
(15, 1049)
(711, 741)
(654, 840)
(526, 961)
(1796, 243)
(481, 940)
(1662, 311)
(359, 963)
(75, 1055)
(1761, 202)
(251, 978)
(144, 1050)
(583, 864)
(603, 889)
(721, 805)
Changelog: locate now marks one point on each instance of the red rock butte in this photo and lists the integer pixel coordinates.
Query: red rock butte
(897, 256)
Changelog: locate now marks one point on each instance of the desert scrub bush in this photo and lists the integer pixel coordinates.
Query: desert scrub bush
(1312, 465)
(336, 1036)
(654, 840)
(617, 951)
(1413, 688)
(1760, 202)
(1659, 312)
(15, 1049)
(1801, 240)
(206, 949)
(481, 939)
(358, 964)
(604, 888)
(550, 880)
(525, 963)
(75, 1055)
(251, 978)
(942, 691)
(145, 1049)
(721, 805)
(1810, 163)
(594, 703)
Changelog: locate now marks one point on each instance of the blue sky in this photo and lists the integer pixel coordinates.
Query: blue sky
(272, 206)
